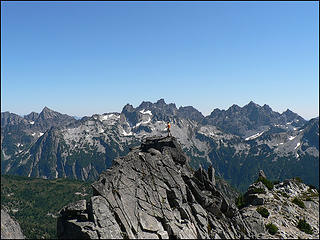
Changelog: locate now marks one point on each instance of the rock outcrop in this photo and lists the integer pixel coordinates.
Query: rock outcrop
(10, 229)
(153, 193)
(283, 204)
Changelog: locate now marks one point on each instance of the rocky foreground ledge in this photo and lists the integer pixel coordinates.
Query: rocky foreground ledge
(291, 206)
(153, 193)
(10, 229)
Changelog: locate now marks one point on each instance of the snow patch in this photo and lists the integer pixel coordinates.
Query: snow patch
(106, 117)
(291, 138)
(101, 131)
(146, 112)
(138, 124)
(289, 123)
(33, 134)
(124, 133)
(40, 134)
(206, 131)
(254, 136)
(81, 194)
(298, 144)
(31, 122)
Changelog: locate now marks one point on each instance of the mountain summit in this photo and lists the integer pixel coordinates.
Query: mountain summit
(151, 193)
(243, 121)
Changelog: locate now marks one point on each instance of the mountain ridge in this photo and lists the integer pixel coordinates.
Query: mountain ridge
(85, 147)
(162, 102)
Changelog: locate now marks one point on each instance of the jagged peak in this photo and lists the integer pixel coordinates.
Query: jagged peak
(234, 107)
(128, 108)
(290, 114)
(32, 113)
(288, 111)
(267, 107)
(161, 102)
(189, 108)
(145, 105)
(46, 109)
(216, 111)
(48, 113)
(252, 104)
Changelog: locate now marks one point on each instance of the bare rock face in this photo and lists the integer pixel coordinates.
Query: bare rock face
(285, 205)
(10, 229)
(153, 193)
(262, 174)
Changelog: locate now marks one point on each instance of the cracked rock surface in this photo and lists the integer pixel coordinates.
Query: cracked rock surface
(153, 193)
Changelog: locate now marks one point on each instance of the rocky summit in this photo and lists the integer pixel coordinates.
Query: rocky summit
(153, 193)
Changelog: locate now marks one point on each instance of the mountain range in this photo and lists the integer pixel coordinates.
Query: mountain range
(237, 142)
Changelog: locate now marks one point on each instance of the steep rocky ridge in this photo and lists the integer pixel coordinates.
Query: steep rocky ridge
(19, 133)
(153, 193)
(10, 229)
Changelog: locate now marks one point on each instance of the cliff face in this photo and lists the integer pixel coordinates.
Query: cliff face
(10, 229)
(153, 193)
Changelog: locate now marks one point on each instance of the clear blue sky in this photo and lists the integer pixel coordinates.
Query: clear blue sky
(82, 58)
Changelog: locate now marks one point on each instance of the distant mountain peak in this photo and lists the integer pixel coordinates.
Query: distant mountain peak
(161, 102)
(46, 110)
(288, 111)
(252, 104)
(145, 105)
(128, 108)
(31, 116)
(235, 107)
(191, 113)
(267, 107)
